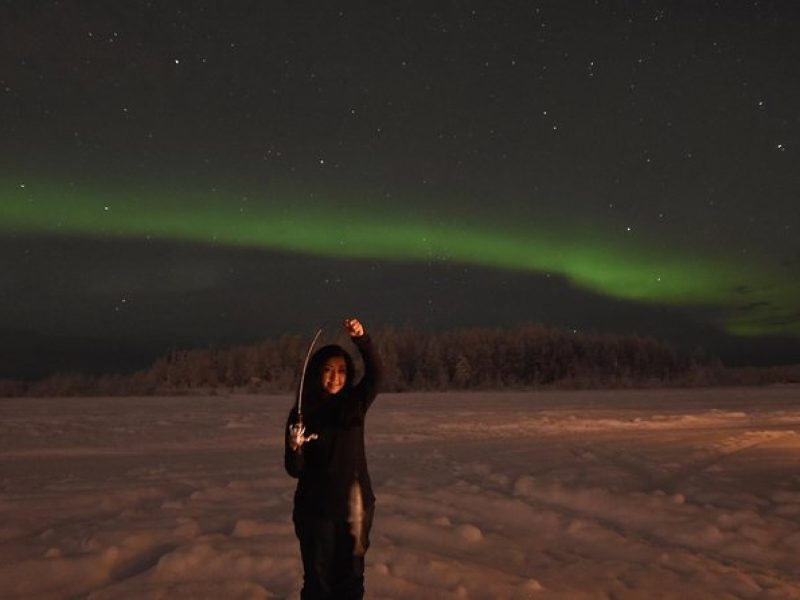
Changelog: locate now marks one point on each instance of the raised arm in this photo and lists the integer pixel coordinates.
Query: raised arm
(373, 368)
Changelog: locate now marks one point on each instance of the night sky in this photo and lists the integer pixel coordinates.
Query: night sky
(179, 174)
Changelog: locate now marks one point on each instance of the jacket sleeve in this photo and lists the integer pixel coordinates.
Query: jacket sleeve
(292, 459)
(373, 369)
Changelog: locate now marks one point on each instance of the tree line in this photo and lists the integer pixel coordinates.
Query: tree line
(463, 359)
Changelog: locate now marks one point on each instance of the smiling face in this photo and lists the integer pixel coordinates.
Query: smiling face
(334, 374)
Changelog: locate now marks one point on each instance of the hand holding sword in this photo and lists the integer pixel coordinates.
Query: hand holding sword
(298, 437)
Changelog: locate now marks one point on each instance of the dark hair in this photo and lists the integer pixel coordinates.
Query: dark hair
(312, 384)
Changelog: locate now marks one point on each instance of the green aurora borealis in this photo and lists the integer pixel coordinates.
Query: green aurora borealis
(747, 299)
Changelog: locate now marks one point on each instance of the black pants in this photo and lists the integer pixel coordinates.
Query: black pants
(333, 556)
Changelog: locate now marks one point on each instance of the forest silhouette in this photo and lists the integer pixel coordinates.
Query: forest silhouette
(526, 357)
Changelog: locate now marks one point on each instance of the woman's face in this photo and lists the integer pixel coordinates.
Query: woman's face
(334, 374)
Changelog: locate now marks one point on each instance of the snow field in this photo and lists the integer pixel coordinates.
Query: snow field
(656, 494)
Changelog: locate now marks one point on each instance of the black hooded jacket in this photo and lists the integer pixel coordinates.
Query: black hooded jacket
(328, 467)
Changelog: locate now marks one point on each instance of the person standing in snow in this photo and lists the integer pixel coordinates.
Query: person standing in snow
(333, 504)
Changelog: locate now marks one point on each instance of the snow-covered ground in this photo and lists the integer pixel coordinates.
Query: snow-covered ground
(635, 494)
